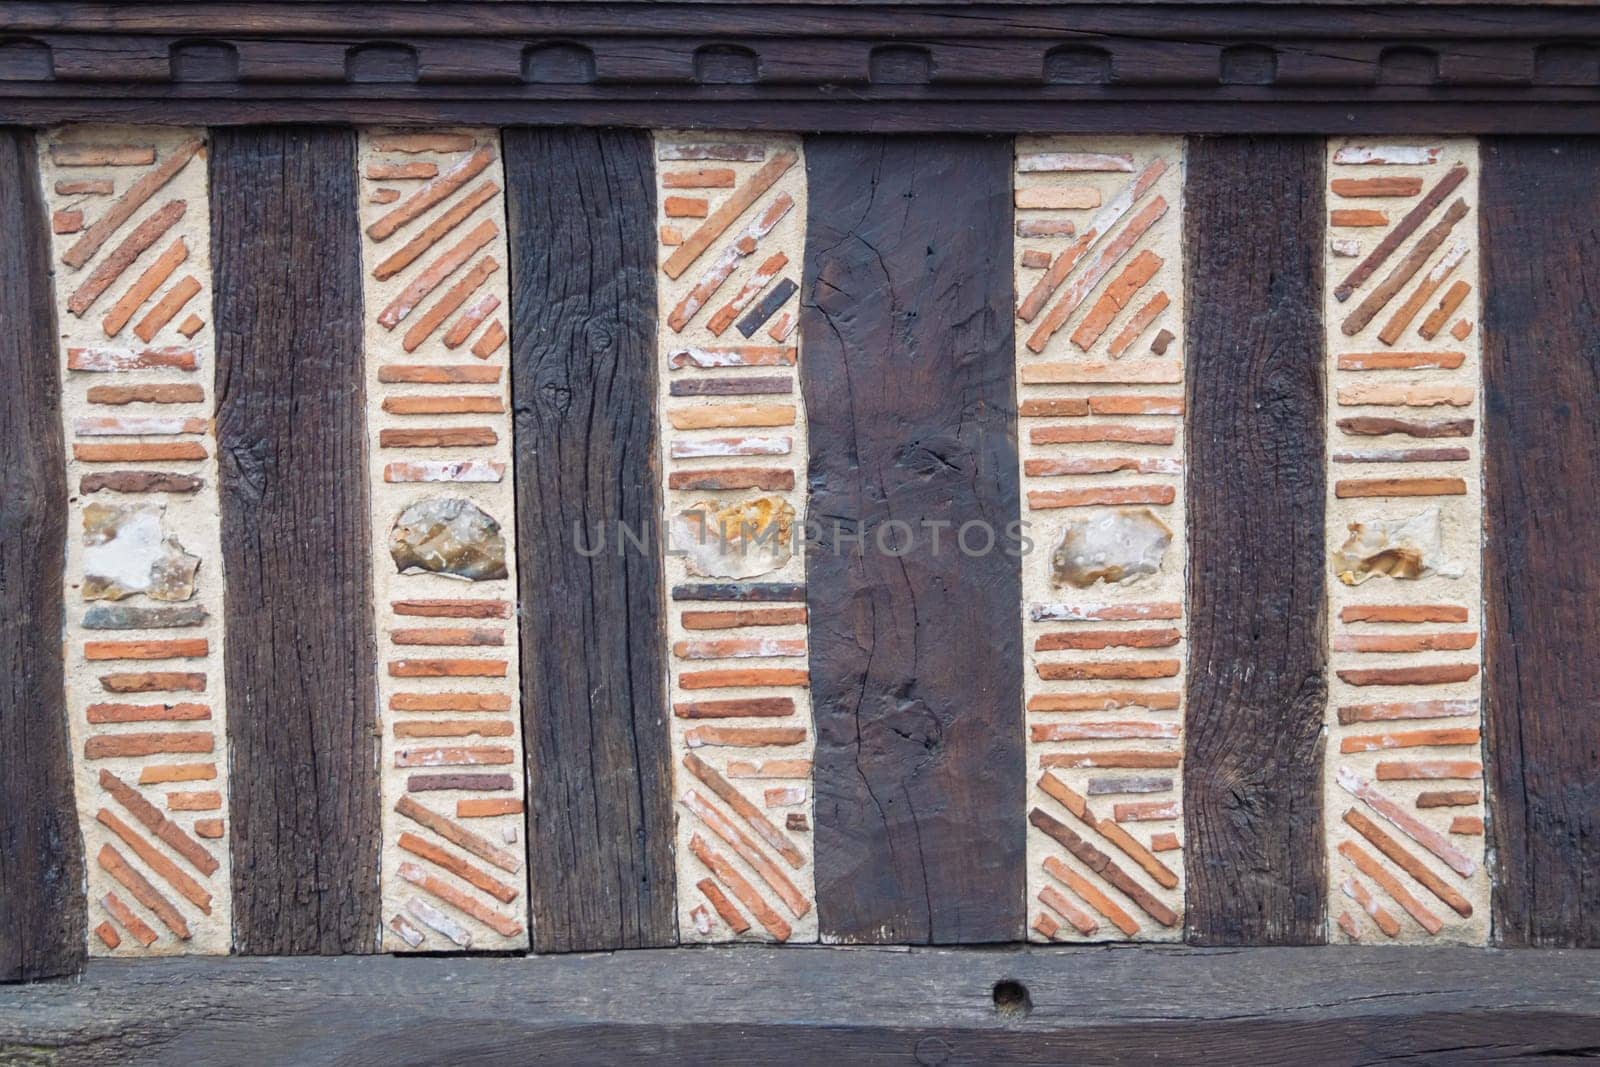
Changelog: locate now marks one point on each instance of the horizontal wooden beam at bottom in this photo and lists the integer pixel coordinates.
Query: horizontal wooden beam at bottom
(1480, 113)
(795, 1004)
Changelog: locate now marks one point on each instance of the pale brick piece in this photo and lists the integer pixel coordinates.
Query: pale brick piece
(733, 454)
(439, 449)
(144, 582)
(1097, 336)
(1405, 671)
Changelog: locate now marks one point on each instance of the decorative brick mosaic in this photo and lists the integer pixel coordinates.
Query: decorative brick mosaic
(132, 249)
(444, 561)
(732, 240)
(1100, 360)
(1405, 805)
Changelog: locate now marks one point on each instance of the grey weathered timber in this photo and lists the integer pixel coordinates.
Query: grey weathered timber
(291, 446)
(1257, 682)
(841, 1005)
(583, 385)
(41, 855)
(915, 643)
(1541, 434)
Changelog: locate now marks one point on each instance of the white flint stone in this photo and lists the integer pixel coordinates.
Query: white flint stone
(1115, 547)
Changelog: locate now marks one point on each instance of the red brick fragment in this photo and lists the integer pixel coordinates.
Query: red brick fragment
(736, 883)
(102, 155)
(685, 207)
(741, 617)
(1109, 670)
(458, 702)
(181, 648)
(491, 340)
(382, 170)
(1445, 642)
(751, 708)
(1449, 798)
(744, 736)
(743, 676)
(160, 773)
(154, 682)
(108, 746)
(208, 828)
(1428, 770)
(487, 807)
(1068, 760)
(85, 187)
(113, 863)
(167, 308)
(425, 239)
(204, 800)
(1402, 858)
(1437, 674)
(1358, 217)
(724, 907)
(1403, 613)
(1046, 499)
(447, 756)
(108, 935)
(703, 178)
(1468, 825)
(129, 919)
(1369, 866)
(454, 609)
(1354, 187)
(439, 189)
(447, 668)
(438, 437)
(141, 290)
(107, 713)
(146, 394)
(458, 835)
(124, 206)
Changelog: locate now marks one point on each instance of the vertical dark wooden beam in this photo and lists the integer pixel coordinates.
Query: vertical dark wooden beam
(1541, 368)
(41, 855)
(915, 659)
(1257, 639)
(291, 442)
(583, 382)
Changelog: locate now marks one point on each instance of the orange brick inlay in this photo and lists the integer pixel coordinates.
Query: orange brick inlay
(143, 648)
(1100, 366)
(733, 459)
(1403, 781)
(434, 257)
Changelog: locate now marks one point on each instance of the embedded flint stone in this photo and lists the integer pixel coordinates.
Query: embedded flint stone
(1408, 548)
(123, 617)
(1115, 547)
(450, 536)
(127, 552)
(741, 540)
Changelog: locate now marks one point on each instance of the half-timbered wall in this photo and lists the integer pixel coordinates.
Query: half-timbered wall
(484, 539)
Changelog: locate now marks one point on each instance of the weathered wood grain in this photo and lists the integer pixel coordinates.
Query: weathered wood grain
(41, 854)
(1257, 641)
(583, 383)
(1333, 65)
(300, 657)
(915, 653)
(747, 1004)
(1541, 368)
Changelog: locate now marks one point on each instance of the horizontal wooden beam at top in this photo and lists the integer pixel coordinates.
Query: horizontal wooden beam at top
(992, 67)
(793, 1005)
(1441, 119)
(894, 19)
